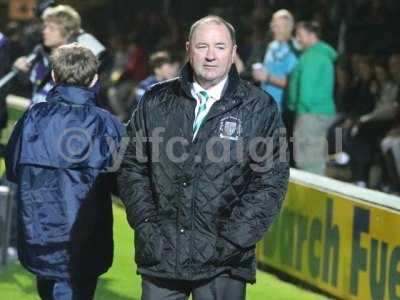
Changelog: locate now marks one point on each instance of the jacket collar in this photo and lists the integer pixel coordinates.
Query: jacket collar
(72, 94)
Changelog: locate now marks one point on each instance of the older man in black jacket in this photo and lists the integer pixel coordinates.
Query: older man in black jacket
(204, 174)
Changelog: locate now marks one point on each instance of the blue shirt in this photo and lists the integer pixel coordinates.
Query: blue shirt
(279, 61)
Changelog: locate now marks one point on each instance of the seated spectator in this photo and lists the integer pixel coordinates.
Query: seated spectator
(390, 144)
(344, 95)
(360, 100)
(390, 148)
(394, 67)
(386, 91)
(376, 96)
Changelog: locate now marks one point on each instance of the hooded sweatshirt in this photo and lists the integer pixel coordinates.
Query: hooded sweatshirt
(311, 84)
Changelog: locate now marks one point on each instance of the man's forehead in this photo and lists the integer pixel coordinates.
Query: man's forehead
(205, 29)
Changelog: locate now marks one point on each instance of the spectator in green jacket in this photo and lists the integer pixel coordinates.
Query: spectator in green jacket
(311, 98)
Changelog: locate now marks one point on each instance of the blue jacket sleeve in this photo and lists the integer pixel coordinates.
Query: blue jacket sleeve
(13, 151)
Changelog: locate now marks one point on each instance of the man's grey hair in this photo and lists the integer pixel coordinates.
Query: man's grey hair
(215, 20)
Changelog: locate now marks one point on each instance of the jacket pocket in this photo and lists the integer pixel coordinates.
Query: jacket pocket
(45, 220)
(148, 244)
(226, 251)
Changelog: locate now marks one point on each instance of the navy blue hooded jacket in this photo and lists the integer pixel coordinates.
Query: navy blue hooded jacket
(59, 155)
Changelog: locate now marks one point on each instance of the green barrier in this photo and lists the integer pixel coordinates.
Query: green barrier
(337, 237)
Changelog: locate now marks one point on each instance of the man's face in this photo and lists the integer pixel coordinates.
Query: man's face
(281, 29)
(211, 53)
(52, 35)
(303, 37)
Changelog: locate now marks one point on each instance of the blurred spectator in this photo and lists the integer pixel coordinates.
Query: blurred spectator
(360, 146)
(394, 67)
(280, 57)
(119, 56)
(164, 66)
(344, 88)
(311, 98)
(371, 127)
(386, 91)
(15, 36)
(390, 144)
(125, 95)
(364, 95)
(136, 68)
(390, 147)
(60, 24)
(344, 95)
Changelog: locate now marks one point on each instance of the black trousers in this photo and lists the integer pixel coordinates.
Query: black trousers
(49, 289)
(222, 287)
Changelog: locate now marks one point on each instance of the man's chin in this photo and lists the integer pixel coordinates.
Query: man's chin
(48, 45)
(209, 81)
(210, 77)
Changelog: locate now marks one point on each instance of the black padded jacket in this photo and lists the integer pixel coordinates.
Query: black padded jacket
(199, 206)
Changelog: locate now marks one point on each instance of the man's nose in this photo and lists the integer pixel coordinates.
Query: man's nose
(210, 55)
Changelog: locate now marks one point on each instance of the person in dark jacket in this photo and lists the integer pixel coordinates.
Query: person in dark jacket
(60, 154)
(204, 174)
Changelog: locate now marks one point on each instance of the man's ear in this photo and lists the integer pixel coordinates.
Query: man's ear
(94, 80)
(187, 46)
(234, 53)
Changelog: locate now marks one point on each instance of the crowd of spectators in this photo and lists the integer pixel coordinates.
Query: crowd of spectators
(364, 133)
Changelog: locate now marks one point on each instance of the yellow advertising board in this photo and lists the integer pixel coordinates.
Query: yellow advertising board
(345, 246)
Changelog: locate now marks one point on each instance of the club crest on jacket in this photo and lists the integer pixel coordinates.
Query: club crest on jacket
(230, 128)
